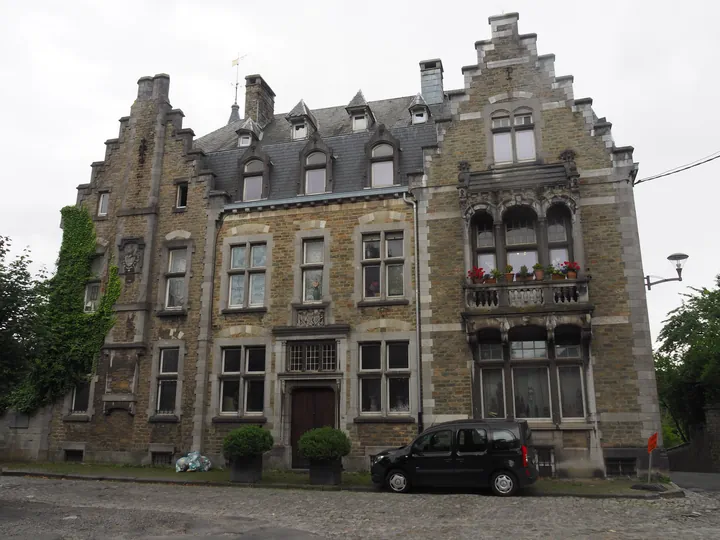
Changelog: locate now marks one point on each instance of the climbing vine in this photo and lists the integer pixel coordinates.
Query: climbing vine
(69, 340)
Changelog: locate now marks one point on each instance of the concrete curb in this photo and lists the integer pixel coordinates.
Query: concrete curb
(172, 481)
(672, 493)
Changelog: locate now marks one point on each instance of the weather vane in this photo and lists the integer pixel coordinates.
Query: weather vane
(236, 65)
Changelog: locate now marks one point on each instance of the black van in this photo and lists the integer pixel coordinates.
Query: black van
(469, 453)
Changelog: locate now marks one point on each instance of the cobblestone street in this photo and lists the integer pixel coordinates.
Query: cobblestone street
(66, 509)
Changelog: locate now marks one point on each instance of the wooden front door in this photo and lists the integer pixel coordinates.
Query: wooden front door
(311, 408)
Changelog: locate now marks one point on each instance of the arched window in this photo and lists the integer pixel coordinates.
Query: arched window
(484, 241)
(315, 173)
(513, 136)
(521, 237)
(382, 168)
(253, 180)
(559, 235)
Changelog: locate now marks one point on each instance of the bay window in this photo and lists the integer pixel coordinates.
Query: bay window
(530, 376)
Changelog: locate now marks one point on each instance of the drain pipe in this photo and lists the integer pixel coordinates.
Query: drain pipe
(418, 347)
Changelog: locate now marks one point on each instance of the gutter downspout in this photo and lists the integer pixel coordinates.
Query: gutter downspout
(418, 346)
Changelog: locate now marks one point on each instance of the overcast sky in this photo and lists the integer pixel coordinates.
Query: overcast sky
(70, 70)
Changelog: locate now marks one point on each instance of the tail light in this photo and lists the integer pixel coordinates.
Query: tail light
(524, 456)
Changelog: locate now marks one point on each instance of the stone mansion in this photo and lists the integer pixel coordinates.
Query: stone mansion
(310, 268)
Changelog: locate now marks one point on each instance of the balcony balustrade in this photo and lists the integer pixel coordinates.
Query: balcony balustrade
(523, 294)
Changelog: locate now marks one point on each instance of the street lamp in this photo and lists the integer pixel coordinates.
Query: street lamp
(678, 259)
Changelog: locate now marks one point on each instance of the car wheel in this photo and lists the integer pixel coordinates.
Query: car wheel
(504, 484)
(397, 481)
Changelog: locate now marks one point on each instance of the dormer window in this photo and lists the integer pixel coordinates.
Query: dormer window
(244, 141)
(419, 117)
(299, 131)
(253, 180)
(315, 173)
(359, 122)
(382, 166)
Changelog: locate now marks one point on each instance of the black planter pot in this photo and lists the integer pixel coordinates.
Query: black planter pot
(247, 470)
(326, 472)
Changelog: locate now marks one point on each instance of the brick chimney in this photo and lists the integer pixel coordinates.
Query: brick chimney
(431, 81)
(259, 100)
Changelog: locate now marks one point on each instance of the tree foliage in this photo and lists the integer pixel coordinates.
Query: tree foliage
(21, 296)
(687, 365)
(68, 340)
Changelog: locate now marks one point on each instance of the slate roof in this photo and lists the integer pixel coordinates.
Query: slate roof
(418, 101)
(334, 125)
(299, 111)
(358, 101)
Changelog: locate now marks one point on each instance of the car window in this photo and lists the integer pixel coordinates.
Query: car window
(439, 441)
(472, 440)
(503, 440)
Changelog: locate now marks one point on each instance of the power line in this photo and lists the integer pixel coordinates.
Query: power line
(681, 168)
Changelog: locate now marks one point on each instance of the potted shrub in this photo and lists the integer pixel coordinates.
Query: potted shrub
(509, 276)
(493, 276)
(523, 274)
(570, 269)
(244, 448)
(549, 271)
(476, 274)
(539, 270)
(325, 448)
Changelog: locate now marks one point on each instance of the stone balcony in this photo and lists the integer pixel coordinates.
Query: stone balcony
(520, 296)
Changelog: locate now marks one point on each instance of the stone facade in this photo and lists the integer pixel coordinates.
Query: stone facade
(251, 299)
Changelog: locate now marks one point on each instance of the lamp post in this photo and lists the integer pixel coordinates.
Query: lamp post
(678, 259)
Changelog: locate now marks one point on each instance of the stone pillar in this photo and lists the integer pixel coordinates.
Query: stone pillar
(500, 254)
(542, 242)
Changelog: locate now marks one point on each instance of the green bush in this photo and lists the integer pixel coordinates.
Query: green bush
(247, 441)
(324, 444)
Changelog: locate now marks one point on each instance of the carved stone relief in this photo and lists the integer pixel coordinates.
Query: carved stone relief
(132, 251)
(311, 317)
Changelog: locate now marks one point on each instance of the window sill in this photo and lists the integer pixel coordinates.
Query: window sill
(100, 218)
(229, 311)
(164, 419)
(76, 418)
(171, 312)
(177, 210)
(239, 420)
(383, 303)
(384, 420)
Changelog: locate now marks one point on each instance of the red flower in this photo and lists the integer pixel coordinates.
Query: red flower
(475, 273)
(570, 266)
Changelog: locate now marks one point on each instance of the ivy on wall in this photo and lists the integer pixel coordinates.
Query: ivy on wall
(69, 340)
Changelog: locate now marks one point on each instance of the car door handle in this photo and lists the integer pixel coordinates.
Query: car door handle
(448, 460)
(460, 460)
